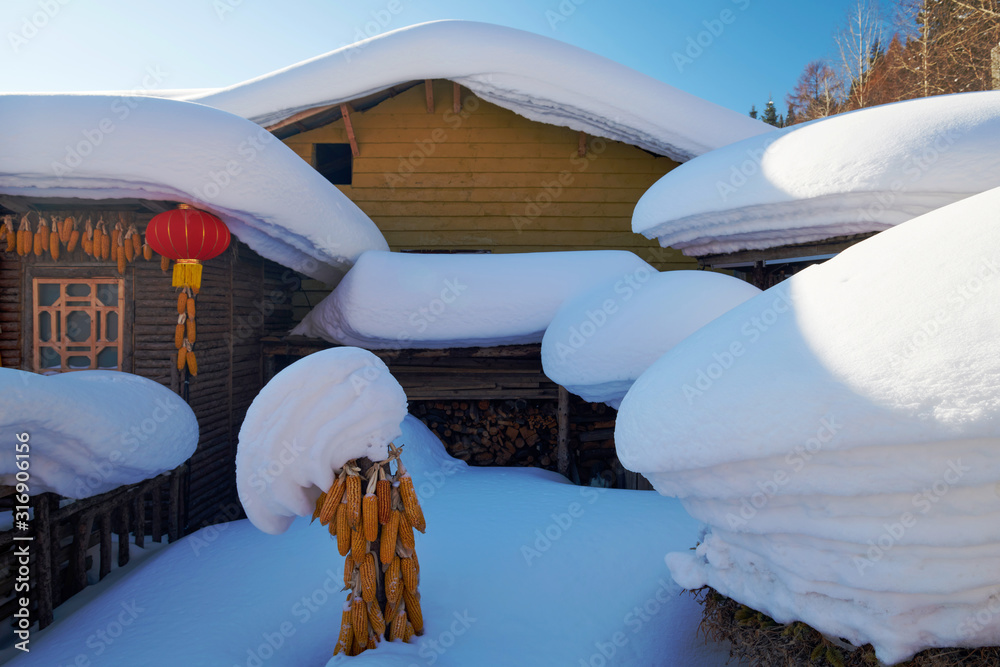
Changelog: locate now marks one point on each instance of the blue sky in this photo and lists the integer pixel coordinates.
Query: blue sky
(732, 52)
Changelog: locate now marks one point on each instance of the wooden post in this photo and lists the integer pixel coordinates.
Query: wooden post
(139, 519)
(174, 518)
(43, 559)
(366, 464)
(105, 566)
(429, 94)
(81, 542)
(157, 506)
(562, 448)
(123, 531)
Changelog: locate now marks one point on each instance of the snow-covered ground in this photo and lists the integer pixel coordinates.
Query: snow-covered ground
(518, 567)
(537, 77)
(107, 147)
(856, 172)
(89, 432)
(839, 432)
(403, 300)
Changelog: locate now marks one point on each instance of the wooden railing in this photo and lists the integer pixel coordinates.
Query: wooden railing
(64, 534)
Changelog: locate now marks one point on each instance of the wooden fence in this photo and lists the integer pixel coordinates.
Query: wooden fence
(64, 533)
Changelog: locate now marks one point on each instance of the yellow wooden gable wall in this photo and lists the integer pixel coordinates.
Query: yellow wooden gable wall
(489, 179)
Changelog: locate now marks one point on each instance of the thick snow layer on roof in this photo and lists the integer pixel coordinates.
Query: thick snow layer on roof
(857, 172)
(540, 605)
(601, 341)
(310, 419)
(537, 77)
(841, 435)
(103, 147)
(404, 300)
(89, 432)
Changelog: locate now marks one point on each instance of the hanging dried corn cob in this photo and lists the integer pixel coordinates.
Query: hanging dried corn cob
(87, 242)
(119, 256)
(133, 233)
(164, 264)
(129, 245)
(41, 238)
(376, 523)
(24, 236)
(11, 234)
(65, 229)
(74, 235)
(54, 245)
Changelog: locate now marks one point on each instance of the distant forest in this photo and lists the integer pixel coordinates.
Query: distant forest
(913, 48)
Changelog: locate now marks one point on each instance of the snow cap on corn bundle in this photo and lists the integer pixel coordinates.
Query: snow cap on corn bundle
(313, 417)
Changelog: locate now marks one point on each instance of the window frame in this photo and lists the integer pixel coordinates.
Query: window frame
(70, 275)
(350, 157)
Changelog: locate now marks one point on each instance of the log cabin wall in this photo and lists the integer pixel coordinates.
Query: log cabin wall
(243, 298)
(488, 179)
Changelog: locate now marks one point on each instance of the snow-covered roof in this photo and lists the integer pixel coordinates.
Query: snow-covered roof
(105, 147)
(537, 77)
(807, 424)
(88, 432)
(858, 172)
(600, 341)
(395, 300)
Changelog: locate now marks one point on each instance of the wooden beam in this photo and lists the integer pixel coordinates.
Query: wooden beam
(345, 111)
(581, 147)
(429, 93)
(562, 446)
(456, 94)
(295, 118)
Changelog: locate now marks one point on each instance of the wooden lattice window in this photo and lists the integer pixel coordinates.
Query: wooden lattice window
(78, 324)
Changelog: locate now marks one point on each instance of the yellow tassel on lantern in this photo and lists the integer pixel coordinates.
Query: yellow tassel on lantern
(187, 273)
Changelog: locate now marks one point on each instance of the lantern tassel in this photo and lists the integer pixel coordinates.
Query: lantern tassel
(187, 273)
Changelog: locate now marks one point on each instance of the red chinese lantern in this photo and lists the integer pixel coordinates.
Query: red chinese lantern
(189, 237)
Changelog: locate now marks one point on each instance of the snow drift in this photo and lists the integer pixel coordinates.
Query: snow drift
(309, 420)
(106, 147)
(601, 341)
(400, 300)
(281, 601)
(857, 172)
(89, 432)
(841, 435)
(537, 77)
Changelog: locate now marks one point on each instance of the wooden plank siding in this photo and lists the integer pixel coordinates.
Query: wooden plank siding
(243, 298)
(489, 179)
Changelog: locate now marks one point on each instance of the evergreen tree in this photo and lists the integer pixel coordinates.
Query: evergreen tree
(770, 115)
(753, 110)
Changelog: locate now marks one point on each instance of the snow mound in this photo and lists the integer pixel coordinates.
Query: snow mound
(601, 341)
(537, 77)
(402, 300)
(536, 536)
(857, 172)
(105, 147)
(309, 420)
(840, 433)
(89, 432)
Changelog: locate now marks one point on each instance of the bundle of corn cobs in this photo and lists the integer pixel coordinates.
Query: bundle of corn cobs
(184, 333)
(56, 235)
(375, 532)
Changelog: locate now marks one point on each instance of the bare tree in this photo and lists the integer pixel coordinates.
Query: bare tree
(858, 43)
(818, 93)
